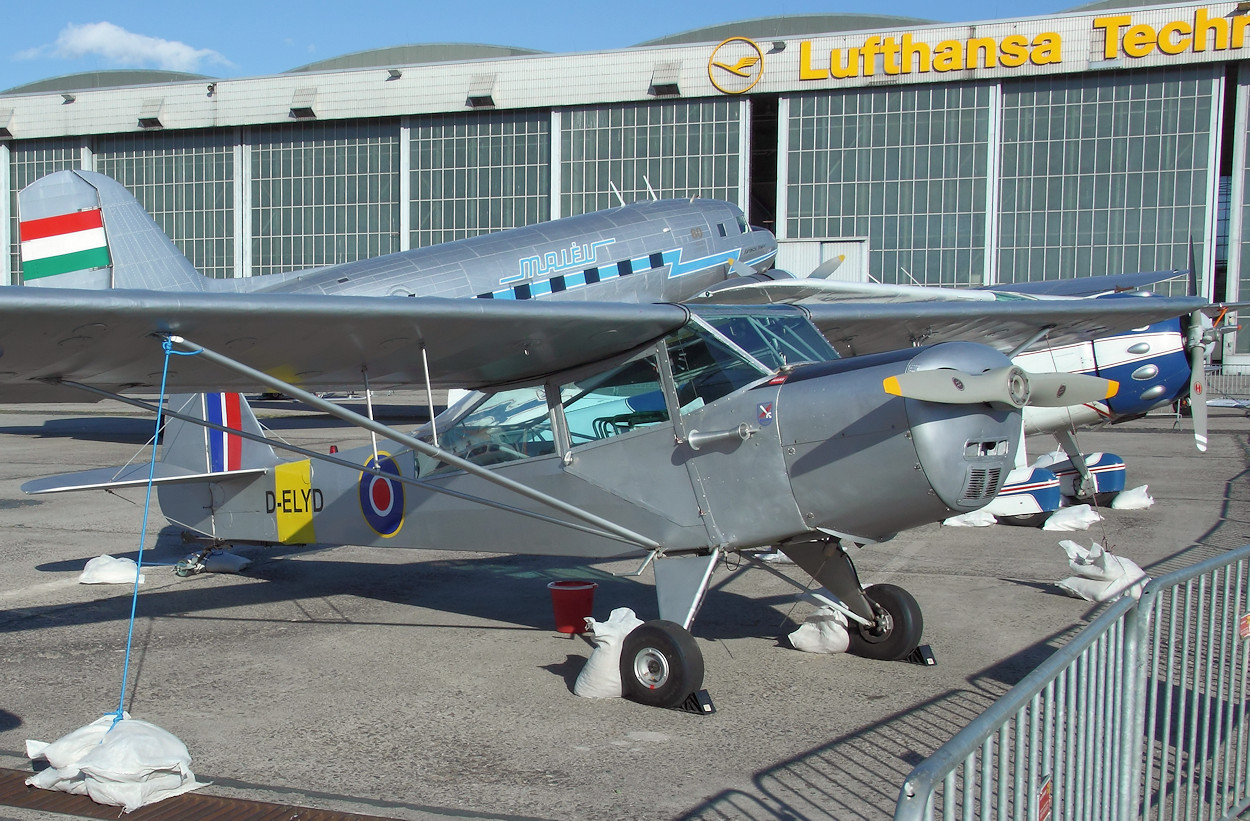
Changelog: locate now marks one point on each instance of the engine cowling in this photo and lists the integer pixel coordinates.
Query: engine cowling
(866, 464)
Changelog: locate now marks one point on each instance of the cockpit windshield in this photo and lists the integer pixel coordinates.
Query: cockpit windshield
(776, 341)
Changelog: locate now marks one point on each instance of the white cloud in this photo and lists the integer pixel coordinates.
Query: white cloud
(124, 48)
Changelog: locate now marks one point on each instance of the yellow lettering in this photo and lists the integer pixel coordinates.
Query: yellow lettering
(948, 56)
(841, 70)
(869, 52)
(1047, 49)
(890, 50)
(1112, 26)
(1204, 25)
(1172, 37)
(806, 72)
(1239, 30)
(1139, 40)
(916, 54)
(983, 51)
(1015, 51)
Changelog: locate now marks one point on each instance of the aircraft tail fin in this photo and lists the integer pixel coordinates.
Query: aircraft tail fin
(204, 450)
(191, 453)
(80, 229)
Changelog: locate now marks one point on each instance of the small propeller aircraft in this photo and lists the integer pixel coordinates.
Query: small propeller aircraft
(676, 434)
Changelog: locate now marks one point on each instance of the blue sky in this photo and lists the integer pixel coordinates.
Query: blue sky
(227, 38)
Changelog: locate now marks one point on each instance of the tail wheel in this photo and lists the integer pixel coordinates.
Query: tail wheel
(660, 664)
(898, 628)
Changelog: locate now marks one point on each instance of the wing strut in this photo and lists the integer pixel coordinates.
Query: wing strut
(365, 423)
(334, 460)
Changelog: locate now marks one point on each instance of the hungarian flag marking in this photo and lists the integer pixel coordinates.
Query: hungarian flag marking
(64, 243)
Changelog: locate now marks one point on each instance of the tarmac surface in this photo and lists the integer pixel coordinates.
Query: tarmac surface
(432, 685)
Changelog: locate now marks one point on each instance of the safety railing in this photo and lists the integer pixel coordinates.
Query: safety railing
(1141, 715)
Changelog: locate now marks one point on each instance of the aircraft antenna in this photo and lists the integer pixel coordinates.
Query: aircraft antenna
(650, 190)
(619, 198)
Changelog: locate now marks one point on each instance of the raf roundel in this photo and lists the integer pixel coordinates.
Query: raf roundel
(382, 499)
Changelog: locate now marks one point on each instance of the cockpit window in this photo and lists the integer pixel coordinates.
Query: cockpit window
(776, 341)
(706, 368)
(616, 402)
(742, 224)
(505, 427)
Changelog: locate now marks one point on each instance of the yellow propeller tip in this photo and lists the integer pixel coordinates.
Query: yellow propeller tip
(1113, 387)
(891, 386)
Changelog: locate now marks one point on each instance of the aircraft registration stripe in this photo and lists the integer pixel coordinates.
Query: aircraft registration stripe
(61, 224)
(293, 507)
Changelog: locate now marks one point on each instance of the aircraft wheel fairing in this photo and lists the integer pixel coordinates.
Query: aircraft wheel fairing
(660, 664)
(897, 633)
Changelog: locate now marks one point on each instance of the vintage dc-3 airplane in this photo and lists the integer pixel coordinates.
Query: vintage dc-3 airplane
(672, 433)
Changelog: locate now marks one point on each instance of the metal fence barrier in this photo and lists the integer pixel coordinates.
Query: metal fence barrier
(1229, 383)
(1142, 715)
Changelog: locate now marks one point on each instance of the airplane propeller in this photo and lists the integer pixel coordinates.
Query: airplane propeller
(1008, 385)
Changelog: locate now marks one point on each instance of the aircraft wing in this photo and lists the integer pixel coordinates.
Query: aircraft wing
(107, 339)
(111, 339)
(860, 327)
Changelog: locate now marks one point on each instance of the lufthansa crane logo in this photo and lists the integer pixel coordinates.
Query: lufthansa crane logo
(735, 66)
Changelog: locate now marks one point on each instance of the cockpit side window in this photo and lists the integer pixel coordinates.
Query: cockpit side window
(506, 426)
(613, 403)
(705, 368)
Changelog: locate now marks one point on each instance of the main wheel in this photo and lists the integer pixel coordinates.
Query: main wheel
(898, 629)
(660, 664)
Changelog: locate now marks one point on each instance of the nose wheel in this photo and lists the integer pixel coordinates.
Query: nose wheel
(660, 664)
(898, 627)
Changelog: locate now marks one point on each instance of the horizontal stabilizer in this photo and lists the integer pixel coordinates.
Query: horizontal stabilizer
(131, 476)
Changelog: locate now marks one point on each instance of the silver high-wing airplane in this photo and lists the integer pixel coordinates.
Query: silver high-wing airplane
(675, 434)
(667, 433)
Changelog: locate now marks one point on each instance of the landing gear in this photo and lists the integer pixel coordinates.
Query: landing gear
(660, 664)
(898, 627)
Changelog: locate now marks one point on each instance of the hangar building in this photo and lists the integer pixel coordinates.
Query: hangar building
(1096, 141)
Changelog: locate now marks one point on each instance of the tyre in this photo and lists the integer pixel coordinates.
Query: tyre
(660, 664)
(902, 628)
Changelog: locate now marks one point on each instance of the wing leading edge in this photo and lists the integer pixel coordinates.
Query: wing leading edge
(111, 339)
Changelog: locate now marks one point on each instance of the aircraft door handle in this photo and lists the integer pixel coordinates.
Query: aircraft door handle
(700, 439)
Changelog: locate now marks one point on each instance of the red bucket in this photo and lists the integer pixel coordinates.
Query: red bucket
(572, 601)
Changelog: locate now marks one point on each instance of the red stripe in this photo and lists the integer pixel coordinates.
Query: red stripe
(234, 444)
(63, 224)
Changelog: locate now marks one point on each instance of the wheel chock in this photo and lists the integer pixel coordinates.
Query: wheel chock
(922, 655)
(698, 702)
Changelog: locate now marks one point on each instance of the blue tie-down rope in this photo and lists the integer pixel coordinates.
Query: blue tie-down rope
(143, 532)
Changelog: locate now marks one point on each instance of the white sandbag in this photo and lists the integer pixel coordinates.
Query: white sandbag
(977, 518)
(822, 632)
(1100, 575)
(1077, 517)
(130, 763)
(219, 561)
(774, 557)
(109, 570)
(601, 677)
(1137, 498)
